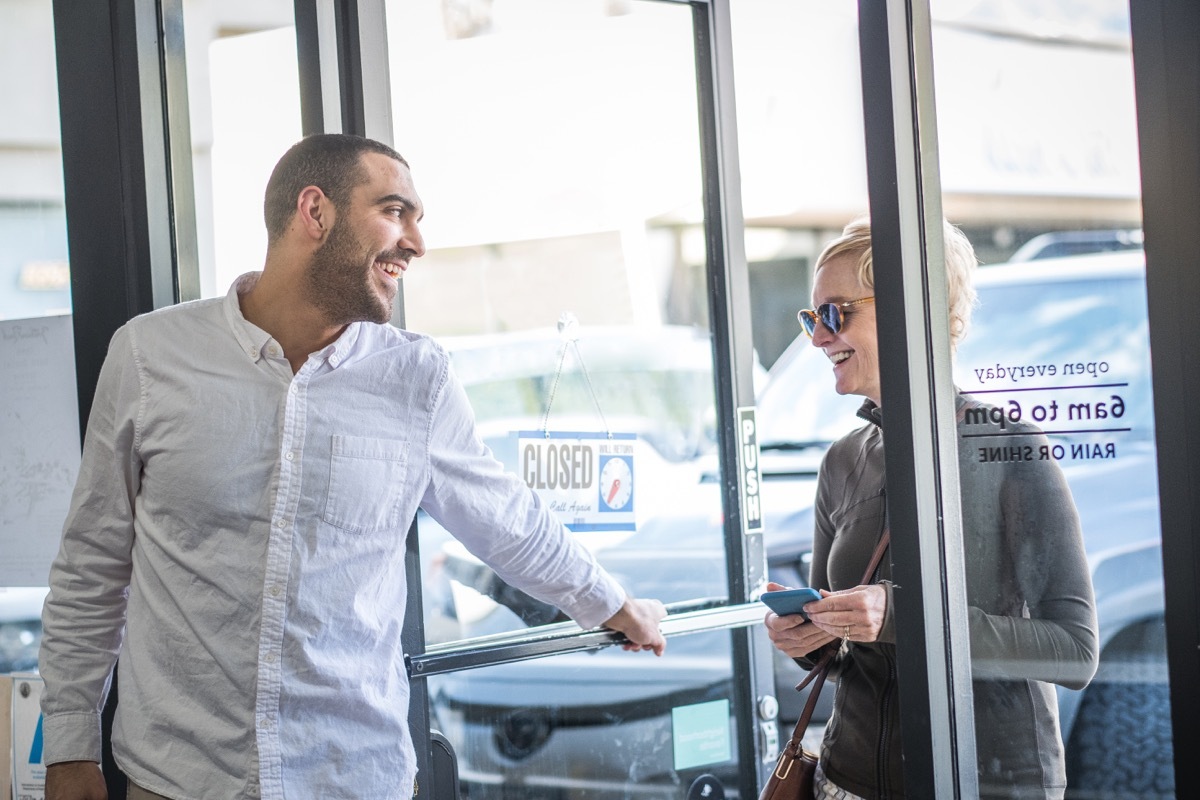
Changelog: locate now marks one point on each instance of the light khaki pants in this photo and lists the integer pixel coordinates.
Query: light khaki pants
(138, 793)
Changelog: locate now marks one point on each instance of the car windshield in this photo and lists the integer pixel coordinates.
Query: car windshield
(655, 382)
(799, 407)
(1097, 326)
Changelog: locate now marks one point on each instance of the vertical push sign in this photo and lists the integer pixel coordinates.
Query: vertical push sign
(749, 482)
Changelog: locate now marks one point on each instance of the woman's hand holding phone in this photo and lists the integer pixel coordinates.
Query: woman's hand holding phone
(790, 601)
(855, 614)
(792, 634)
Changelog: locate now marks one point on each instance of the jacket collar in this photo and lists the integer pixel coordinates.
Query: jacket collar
(871, 413)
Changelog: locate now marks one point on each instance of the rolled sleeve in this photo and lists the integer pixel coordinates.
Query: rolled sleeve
(504, 523)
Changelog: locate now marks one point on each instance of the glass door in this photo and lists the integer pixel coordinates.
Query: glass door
(39, 410)
(1033, 436)
(495, 275)
(559, 151)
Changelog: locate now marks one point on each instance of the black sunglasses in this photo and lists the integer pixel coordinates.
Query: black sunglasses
(831, 315)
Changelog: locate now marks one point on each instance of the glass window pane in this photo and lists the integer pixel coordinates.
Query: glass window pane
(801, 149)
(531, 730)
(803, 169)
(34, 275)
(39, 411)
(1056, 448)
(244, 105)
(560, 183)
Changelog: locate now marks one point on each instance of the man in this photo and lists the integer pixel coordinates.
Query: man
(250, 470)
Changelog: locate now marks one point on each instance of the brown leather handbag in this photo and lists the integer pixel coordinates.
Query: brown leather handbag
(794, 772)
(797, 767)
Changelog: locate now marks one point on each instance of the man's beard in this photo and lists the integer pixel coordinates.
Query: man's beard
(340, 281)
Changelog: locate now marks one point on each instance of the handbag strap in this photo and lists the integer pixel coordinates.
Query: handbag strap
(821, 669)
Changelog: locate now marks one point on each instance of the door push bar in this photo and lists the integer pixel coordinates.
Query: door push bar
(567, 637)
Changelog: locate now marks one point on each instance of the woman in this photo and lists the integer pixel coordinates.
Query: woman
(1031, 610)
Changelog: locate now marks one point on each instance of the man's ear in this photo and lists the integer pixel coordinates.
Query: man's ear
(314, 212)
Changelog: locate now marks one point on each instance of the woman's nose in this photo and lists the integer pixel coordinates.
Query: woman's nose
(821, 335)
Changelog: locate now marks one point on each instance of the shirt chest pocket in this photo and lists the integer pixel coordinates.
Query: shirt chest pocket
(366, 482)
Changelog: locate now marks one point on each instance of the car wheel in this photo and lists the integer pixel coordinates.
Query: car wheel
(1121, 743)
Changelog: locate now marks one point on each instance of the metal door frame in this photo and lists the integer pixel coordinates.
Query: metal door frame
(904, 188)
(1167, 88)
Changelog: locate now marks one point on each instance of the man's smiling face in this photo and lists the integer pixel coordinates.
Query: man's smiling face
(354, 275)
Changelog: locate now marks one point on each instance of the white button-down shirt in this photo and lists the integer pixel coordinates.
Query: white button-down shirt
(237, 536)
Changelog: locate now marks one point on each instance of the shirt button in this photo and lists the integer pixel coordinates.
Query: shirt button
(275, 591)
(292, 388)
(280, 523)
(273, 350)
(334, 360)
(269, 658)
(253, 352)
(290, 456)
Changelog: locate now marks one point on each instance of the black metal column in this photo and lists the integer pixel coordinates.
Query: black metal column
(1167, 85)
(729, 319)
(127, 176)
(918, 399)
(122, 149)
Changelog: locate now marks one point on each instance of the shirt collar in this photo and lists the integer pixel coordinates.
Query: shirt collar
(253, 339)
(250, 337)
(341, 349)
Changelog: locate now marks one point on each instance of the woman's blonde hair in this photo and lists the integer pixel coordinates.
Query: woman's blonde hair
(960, 268)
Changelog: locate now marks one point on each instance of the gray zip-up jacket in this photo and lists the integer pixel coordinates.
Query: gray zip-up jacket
(1031, 609)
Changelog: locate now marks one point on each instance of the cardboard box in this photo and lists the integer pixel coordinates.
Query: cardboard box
(6, 750)
(28, 768)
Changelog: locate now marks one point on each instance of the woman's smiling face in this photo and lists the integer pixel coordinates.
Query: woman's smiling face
(853, 351)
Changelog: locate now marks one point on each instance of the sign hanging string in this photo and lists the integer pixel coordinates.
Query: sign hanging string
(568, 331)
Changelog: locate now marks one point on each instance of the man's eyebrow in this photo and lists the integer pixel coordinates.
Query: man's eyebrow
(400, 199)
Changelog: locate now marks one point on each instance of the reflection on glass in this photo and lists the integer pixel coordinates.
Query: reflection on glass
(1031, 609)
(39, 431)
(602, 726)
(1064, 346)
(557, 155)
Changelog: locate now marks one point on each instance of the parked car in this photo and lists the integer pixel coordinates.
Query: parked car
(20, 628)
(652, 381)
(1060, 244)
(1084, 316)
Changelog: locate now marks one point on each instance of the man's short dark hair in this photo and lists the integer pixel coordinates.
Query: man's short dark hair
(329, 161)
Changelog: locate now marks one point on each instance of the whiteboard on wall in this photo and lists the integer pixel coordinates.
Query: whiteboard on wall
(39, 444)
